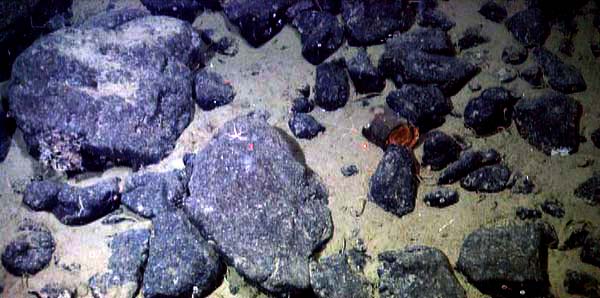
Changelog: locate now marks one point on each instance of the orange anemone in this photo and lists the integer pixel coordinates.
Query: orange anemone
(403, 135)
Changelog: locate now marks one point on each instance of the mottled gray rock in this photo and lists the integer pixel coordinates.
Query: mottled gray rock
(73, 205)
(90, 97)
(180, 259)
(393, 186)
(492, 178)
(266, 212)
(549, 122)
(56, 290)
(417, 271)
(507, 261)
(561, 76)
(305, 126)
(30, 251)
(211, 90)
(148, 194)
(337, 277)
(129, 252)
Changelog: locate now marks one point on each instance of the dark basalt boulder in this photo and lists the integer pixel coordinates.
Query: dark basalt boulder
(581, 283)
(337, 276)
(533, 75)
(530, 27)
(553, 207)
(417, 271)
(88, 98)
(304, 126)
(366, 77)
(30, 251)
(332, 88)
(524, 213)
(549, 122)
(23, 22)
(321, 34)
(590, 253)
(258, 21)
(589, 190)
(265, 211)
(562, 77)
(149, 194)
(435, 18)
(507, 261)
(423, 106)
(429, 40)
(302, 104)
(468, 162)
(73, 205)
(211, 90)
(129, 252)
(393, 186)
(450, 74)
(441, 197)
(370, 22)
(490, 111)
(439, 150)
(576, 233)
(493, 11)
(183, 9)
(493, 178)
(180, 261)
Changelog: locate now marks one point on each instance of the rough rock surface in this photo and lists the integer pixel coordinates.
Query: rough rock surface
(417, 271)
(211, 90)
(589, 190)
(332, 88)
(57, 290)
(439, 150)
(441, 197)
(590, 253)
(30, 251)
(336, 277)
(435, 18)
(89, 97)
(370, 22)
(24, 21)
(258, 21)
(266, 212)
(562, 77)
(73, 205)
(549, 122)
(129, 252)
(507, 261)
(423, 106)
(577, 233)
(468, 162)
(429, 40)
(581, 283)
(492, 178)
(304, 126)
(321, 34)
(490, 111)
(553, 207)
(349, 170)
(529, 27)
(366, 77)
(528, 213)
(149, 194)
(493, 11)
(393, 186)
(179, 259)
(182, 9)
(302, 104)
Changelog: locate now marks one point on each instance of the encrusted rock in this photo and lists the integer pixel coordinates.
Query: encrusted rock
(393, 186)
(30, 251)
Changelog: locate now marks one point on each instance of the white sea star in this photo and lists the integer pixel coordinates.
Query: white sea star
(237, 134)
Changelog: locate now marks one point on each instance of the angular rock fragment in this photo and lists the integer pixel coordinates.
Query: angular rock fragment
(417, 271)
(489, 179)
(549, 122)
(528, 213)
(439, 150)
(507, 261)
(73, 205)
(149, 194)
(521, 184)
(211, 90)
(304, 126)
(366, 77)
(589, 190)
(562, 77)
(532, 74)
(423, 106)
(553, 208)
(87, 98)
(302, 105)
(514, 54)
(30, 251)
(529, 26)
(393, 186)
(493, 11)
(349, 170)
(336, 277)
(332, 88)
(321, 35)
(180, 261)
(129, 252)
(468, 162)
(441, 197)
(490, 111)
(264, 210)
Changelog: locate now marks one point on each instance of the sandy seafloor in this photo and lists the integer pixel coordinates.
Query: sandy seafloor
(267, 78)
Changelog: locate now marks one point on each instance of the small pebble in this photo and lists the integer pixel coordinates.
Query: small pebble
(349, 170)
(441, 197)
(528, 213)
(305, 126)
(521, 184)
(553, 208)
(302, 105)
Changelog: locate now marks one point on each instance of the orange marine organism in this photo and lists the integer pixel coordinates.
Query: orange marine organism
(403, 135)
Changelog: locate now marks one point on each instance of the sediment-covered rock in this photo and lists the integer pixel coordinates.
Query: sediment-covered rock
(30, 251)
(148, 194)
